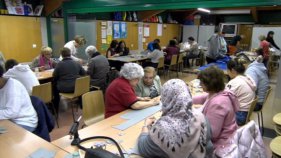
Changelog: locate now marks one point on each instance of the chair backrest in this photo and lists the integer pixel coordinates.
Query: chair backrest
(180, 60)
(43, 91)
(82, 85)
(2, 60)
(174, 60)
(267, 93)
(160, 63)
(93, 107)
(251, 109)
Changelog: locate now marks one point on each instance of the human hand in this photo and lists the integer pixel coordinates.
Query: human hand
(155, 101)
(41, 68)
(116, 55)
(149, 121)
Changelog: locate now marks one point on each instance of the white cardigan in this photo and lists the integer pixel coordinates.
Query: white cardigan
(15, 104)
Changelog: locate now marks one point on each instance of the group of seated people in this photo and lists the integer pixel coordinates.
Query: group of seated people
(181, 130)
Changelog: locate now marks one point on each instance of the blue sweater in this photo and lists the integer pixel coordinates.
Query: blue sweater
(258, 72)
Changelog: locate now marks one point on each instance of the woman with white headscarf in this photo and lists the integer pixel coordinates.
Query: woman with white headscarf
(181, 131)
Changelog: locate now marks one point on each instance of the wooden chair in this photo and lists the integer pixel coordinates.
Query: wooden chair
(251, 109)
(161, 64)
(259, 112)
(277, 122)
(93, 107)
(44, 92)
(275, 147)
(180, 63)
(173, 63)
(82, 86)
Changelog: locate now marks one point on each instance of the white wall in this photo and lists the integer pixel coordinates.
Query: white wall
(261, 30)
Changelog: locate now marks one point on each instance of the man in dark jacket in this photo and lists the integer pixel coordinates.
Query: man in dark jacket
(65, 75)
(98, 67)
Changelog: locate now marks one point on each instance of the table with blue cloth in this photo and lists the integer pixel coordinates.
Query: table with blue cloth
(221, 64)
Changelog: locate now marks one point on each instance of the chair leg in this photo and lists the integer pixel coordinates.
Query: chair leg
(259, 121)
(262, 124)
(56, 114)
(72, 109)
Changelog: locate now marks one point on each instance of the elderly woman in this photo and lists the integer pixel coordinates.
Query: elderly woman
(149, 85)
(120, 94)
(44, 61)
(242, 86)
(73, 45)
(15, 103)
(98, 67)
(219, 105)
(264, 45)
(180, 132)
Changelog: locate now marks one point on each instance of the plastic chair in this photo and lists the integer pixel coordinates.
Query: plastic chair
(251, 109)
(44, 92)
(173, 63)
(82, 86)
(93, 107)
(259, 112)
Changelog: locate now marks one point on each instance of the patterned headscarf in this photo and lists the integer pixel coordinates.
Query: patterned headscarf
(180, 131)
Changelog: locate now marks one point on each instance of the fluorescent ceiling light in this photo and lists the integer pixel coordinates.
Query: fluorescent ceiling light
(204, 10)
(240, 11)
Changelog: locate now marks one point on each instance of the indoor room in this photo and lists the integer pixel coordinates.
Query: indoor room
(119, 78)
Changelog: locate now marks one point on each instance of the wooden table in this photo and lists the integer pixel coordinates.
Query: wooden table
(128, 58)
(44, 75)
(18, 142)
(127, 138)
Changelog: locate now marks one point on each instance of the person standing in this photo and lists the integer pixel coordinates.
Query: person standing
(73, 45)
(270, 39)
(264, 45)
(234, 45)
(217, 47)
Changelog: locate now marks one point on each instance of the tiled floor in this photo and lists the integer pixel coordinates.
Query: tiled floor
(65, 118)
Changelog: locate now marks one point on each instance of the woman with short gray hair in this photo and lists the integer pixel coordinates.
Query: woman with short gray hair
(120, 95)
(131, 71)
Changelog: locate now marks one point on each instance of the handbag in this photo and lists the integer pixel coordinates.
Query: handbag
(99, 152)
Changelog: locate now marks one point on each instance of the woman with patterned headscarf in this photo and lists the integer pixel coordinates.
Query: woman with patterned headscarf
(180, 132)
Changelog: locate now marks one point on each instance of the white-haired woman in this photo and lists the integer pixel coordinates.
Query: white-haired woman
(120, 95)
(44, 61)
(98, 67)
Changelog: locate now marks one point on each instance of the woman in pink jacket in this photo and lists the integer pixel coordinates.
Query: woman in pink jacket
(220, 105)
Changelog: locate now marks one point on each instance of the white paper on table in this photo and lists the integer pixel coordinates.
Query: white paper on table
(159, 29)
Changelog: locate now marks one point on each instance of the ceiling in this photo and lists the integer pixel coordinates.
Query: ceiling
(92, 6)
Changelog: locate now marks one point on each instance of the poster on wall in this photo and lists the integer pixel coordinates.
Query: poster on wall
(109, 28)
(15, 7)
(123, 30)
(116, 30)
(146, 31)
(159, 29)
